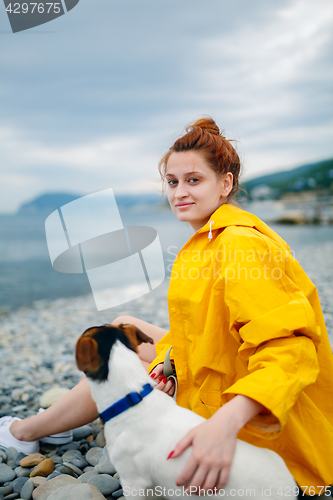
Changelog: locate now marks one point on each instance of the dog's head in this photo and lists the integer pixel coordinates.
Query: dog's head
(93, 348)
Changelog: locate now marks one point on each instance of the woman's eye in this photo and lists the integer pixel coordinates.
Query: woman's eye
(172, 182)
(193, 179)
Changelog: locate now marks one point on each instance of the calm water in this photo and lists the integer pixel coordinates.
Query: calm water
(26, 273)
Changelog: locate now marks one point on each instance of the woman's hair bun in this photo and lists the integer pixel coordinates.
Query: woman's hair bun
(207, 124)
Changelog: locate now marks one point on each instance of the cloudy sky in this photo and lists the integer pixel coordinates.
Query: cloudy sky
(92, 99)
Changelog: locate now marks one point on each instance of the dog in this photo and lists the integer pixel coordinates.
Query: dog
(142, 429)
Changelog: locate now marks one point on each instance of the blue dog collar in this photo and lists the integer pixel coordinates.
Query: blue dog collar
(131, 399)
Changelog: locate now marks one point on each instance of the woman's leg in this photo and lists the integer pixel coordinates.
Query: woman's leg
(77, 407)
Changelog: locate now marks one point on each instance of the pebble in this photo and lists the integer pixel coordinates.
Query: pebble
(100, 439)
(118, 493)
(104, 465)
(93, 455)
(82, 432)
(38, 480)
(10, 453)
(72, 467)
(22, 471)
(28, 488)
(19, 457)
(32, 460)
(105, 483)
(18, 484)
(55, 473)
(6, 473)
(6, 490)
(82, 492)
(44, 469)
(85, 477)
(44, 490)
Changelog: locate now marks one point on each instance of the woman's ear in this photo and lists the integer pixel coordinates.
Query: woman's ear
(227, 183)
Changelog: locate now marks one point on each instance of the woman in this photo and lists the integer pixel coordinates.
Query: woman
(248, 338)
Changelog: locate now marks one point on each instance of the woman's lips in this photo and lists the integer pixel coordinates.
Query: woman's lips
(185, 205)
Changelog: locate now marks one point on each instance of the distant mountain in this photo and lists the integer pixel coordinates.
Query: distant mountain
(317, 177)
(48, 202)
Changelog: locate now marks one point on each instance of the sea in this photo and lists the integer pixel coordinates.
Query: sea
(27, 275)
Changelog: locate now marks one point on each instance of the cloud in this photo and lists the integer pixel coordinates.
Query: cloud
(97, 101)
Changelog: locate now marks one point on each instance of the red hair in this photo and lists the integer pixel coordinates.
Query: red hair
(204, 137)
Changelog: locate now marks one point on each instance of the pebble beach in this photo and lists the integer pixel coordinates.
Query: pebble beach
(37, 354)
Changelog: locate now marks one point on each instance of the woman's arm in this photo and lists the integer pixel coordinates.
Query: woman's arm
(214, 443)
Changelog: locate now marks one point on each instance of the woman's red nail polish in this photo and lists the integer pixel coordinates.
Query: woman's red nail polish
(160, 377)
(152, 375)
(170, 454)
(165, 380)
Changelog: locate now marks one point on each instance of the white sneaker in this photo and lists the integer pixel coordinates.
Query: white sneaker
(7, 439)
(61, 438)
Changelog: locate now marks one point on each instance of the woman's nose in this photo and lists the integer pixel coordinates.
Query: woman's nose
(181, 190)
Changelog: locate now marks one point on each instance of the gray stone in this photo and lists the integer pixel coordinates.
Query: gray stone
(22, 471)
(12, 496)
(55, 473)
(19, 457)
(68, 455)
(72, 467)
(46, 489)
(70, 472)
(82, 432)
(73, 445)
(6, 490)
(104, 465)
(93, 445)
(11, 464)
(82, 492)
(56, 459)
(76, 458)
(100, 439)
(105, 483)
(85, 478)
(3, 455)
(6, 473)
(94, 455)
(89, 468)
(117, 493)
(26, 491)
(18, 484)
(11, 453)
(79, 462)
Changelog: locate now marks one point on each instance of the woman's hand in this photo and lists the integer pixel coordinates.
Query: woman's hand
(214, 443)
(162, 384)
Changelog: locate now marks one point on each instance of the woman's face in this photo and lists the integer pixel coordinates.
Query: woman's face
(195, 191)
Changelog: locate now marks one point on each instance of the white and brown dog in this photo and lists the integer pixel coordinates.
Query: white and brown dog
(142, 426)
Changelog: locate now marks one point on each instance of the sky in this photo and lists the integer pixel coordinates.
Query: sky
(93, 99)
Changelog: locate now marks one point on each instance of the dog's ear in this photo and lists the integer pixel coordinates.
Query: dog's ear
(86, 354)
(135, 335)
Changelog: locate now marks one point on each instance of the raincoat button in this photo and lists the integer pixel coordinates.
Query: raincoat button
(180, 372)
(173, 309)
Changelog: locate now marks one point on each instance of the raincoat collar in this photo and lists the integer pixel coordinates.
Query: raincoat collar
(229, 215)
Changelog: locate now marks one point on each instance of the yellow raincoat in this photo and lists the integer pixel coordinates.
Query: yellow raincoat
(246, 319)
